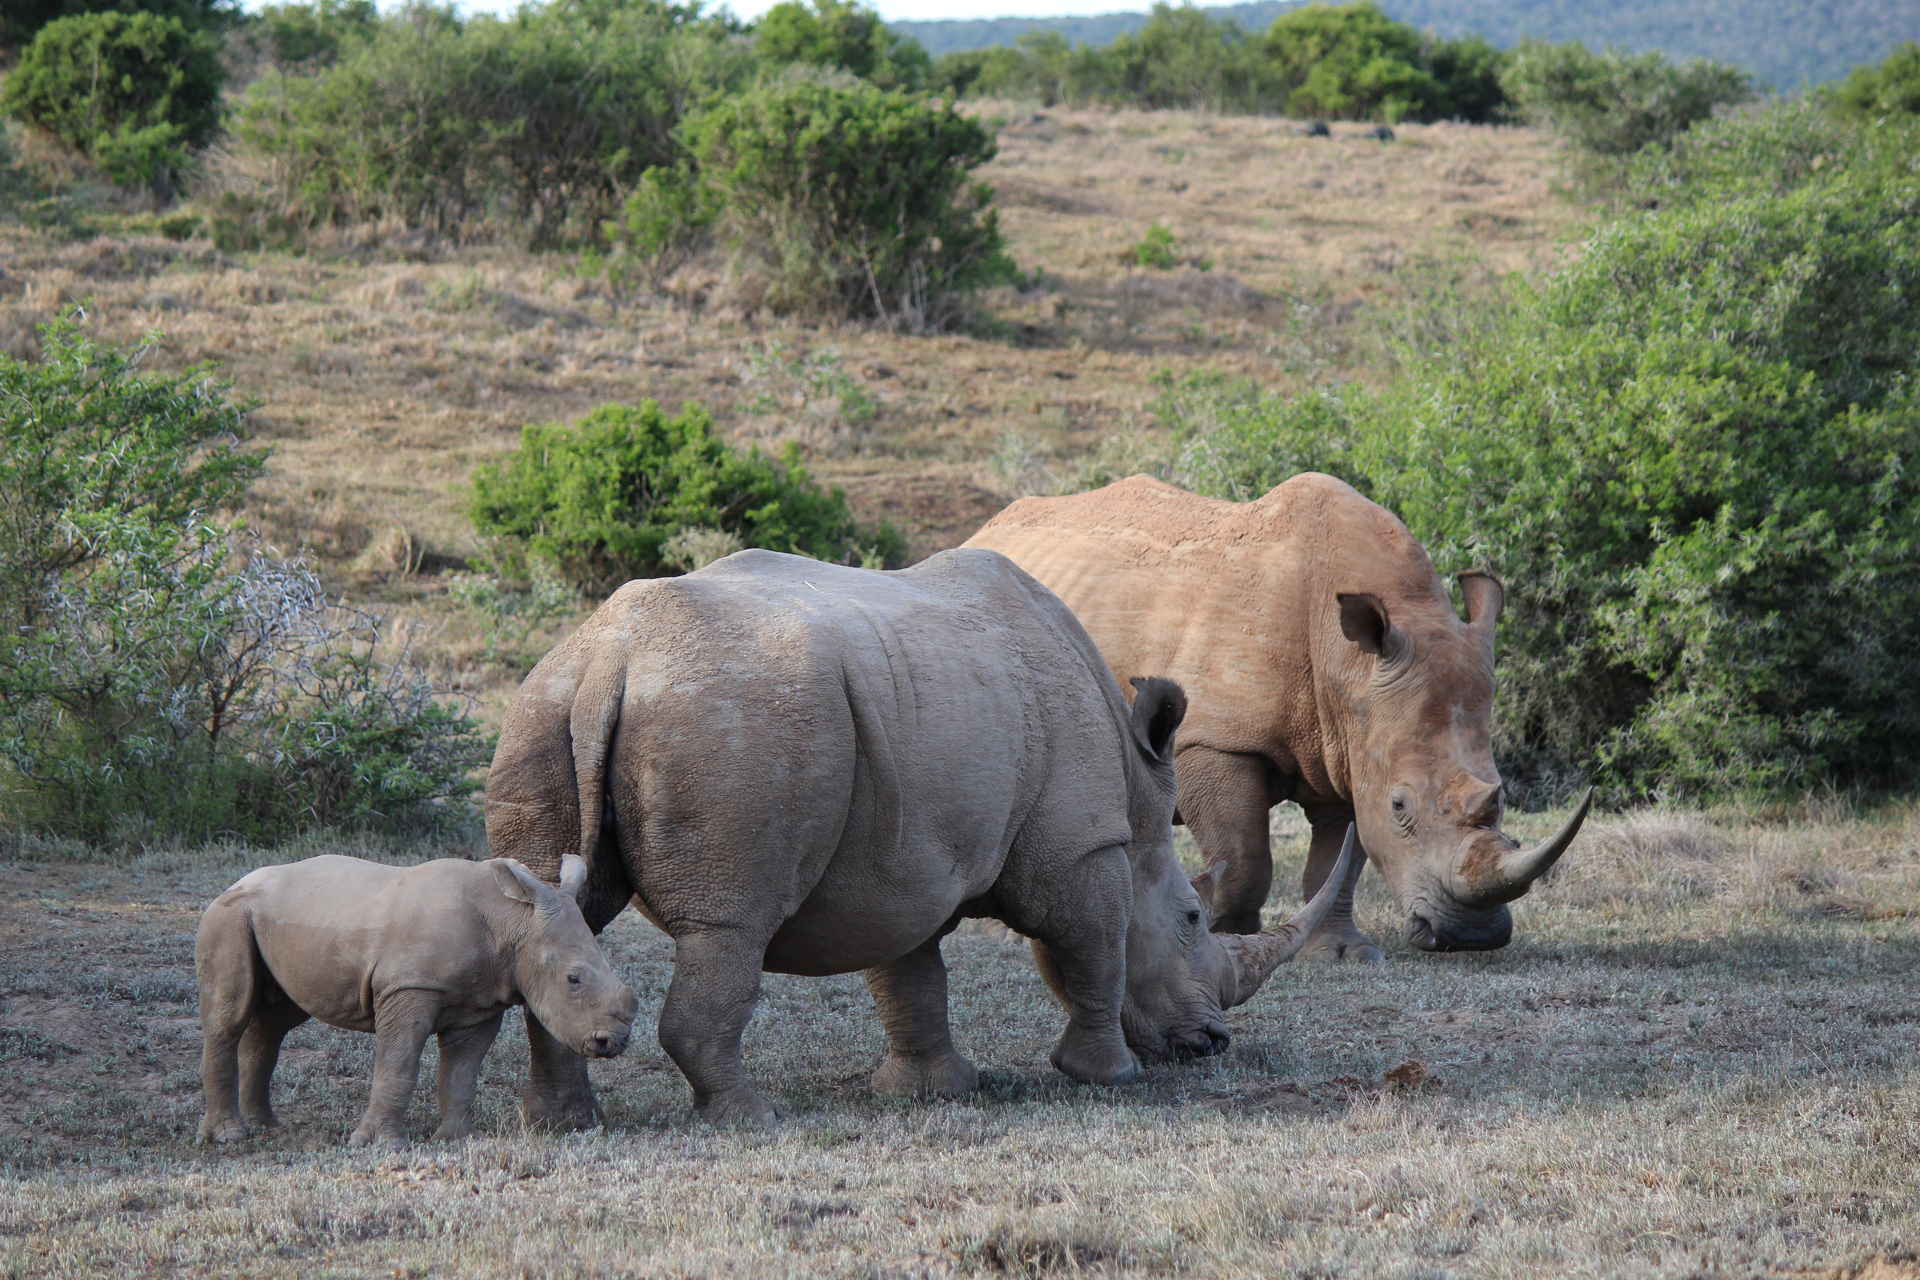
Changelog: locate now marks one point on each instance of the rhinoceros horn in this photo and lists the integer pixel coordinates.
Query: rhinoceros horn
(1256, 955)
(1507, 877)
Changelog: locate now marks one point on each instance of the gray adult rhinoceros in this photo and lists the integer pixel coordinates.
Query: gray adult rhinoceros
(805, 768)
(1326, 666)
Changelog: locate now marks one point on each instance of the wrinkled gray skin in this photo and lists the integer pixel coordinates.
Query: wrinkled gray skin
(803, 768)
(404, 952)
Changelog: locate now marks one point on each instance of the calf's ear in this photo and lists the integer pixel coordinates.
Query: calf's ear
(1159, 705)
(573, 876)
(515, 881)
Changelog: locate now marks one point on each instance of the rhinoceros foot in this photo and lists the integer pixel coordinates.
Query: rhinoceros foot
(556, 1110)
(738, 1109)
(1096, 1059)
(379, 1139)
(1348, 945)
(228, 1130)
(946, 1076)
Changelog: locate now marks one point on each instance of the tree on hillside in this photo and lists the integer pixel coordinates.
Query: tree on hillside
(1887, 89)
(1349, 62)
(844, 34)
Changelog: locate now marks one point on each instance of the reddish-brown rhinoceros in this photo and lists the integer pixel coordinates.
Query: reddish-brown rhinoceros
(1326, 666)
(804, 768)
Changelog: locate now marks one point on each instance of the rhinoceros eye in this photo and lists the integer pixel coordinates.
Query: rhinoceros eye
(1193, 917)
(573, 979)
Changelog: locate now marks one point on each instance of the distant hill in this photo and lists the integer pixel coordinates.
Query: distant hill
(1786, 44)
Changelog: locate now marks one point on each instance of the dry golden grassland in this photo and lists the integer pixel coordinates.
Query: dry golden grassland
(1698, 1057)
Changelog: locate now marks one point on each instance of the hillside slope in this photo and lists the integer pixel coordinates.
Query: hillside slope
(1786, 44)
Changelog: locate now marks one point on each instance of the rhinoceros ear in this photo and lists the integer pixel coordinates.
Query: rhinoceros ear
(1204, 884)
(1159, 705)
(515, 881)
(1483, 596)
(1364, 620)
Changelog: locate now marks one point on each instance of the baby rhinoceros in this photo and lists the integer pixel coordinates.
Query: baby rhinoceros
(441, 948)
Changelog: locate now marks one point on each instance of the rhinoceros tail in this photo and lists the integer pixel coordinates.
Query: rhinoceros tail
(596, 714)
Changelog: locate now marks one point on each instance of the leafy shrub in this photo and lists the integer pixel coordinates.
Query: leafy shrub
(21, 20)
(540, 123)
(600, 500)
(849, 200)
(311, 35)
(1159, 248)
(1688, 455)
(840, 34)
(1769, 151)
(1350, 62)
(1891, 88)
(133, 92)
(159, 675)
(1467, 73)
(1615, 103)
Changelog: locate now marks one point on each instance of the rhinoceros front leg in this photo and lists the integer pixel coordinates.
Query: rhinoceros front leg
(557, 1095)
(716, 983)
(1224, 802)
(1081, 946)
(1337, 938)
(911, 994)
(402, 1021)
(462, 1050)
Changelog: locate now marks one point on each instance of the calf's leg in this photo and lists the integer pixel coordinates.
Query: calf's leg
(911, 994)
(558, 1094)
(461, 1052)
(402, 1021)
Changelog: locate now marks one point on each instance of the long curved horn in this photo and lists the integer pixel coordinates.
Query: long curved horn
(1256, 955)
(1516, 869)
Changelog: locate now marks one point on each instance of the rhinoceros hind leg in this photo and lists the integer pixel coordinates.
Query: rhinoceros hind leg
(557, 1096)
(259, 1052)
(716, 983)
(230, 973)
(911, 994)
(1337, 938)
(1224, 802)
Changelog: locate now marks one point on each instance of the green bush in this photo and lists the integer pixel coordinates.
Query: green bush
(1615, 103)
(1891, 88)
(539, 124)
(311, 35)
(21, 20)
(600, 500)
(850, 201)
(840, 34)
(134, 92)
(160, 675)
(1689, 456)
(1350, 62)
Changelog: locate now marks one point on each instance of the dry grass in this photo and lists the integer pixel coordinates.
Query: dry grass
(1715, 1081)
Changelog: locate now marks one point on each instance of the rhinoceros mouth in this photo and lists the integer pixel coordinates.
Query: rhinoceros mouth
(1204, 1042)
(1490, 936)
